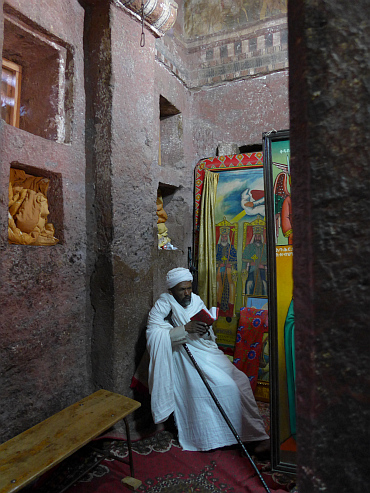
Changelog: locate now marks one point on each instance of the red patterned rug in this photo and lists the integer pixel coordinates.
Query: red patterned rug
(163, 467)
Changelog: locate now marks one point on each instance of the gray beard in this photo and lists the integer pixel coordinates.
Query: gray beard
(185, 303)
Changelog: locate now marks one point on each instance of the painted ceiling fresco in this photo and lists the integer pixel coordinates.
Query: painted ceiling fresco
(204, 17)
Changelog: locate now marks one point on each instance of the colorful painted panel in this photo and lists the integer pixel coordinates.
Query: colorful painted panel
(221, 163)
(241, 266)
(241, 253)
(280, 155)
(241, 239)
(280, 235)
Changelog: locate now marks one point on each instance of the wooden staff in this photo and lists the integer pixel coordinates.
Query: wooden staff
(224, 415)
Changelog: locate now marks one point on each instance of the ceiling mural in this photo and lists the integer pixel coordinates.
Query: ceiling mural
(204, 17)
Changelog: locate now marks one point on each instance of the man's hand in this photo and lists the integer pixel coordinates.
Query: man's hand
(194, 327)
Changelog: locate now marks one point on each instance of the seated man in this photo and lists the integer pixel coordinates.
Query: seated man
(176, 386)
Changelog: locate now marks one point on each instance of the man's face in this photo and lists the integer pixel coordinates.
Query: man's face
(182, 293)
(257, 238)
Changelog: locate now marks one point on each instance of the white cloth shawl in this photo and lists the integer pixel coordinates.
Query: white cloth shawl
(176, 386)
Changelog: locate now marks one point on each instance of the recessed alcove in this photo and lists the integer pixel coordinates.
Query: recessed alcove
(171, 150)
(246, 149)
(232, 148)
(168, 192)
(46, 96)
(54, 195)
(166, 260)
(167, 196)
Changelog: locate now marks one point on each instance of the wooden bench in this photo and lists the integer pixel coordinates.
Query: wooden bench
(29, 455)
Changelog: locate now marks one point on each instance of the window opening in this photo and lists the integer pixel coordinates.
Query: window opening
(10, 92)
(46, 64)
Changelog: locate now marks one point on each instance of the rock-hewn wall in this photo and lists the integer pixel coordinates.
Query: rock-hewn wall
(330, 146)
(239, 112)
(82, 305)
(44, 362)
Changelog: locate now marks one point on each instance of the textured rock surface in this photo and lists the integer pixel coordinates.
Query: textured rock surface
(329, 50)
(74, 315)
(44, 334)
(239, 112)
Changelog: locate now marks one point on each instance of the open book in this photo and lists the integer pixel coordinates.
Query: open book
(206, 316)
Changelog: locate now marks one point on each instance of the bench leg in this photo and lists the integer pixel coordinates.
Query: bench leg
(129, 448)
(130, 482)
(130, 462)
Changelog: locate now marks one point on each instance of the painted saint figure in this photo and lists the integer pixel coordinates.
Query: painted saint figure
(254, 263)
(226, 261)
(286, 219)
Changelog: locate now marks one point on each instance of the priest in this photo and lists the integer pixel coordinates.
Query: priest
(176, 387)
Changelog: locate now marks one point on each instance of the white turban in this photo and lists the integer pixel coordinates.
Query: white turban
(177, 275)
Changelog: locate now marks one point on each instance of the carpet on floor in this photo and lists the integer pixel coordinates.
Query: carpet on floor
(163, 467)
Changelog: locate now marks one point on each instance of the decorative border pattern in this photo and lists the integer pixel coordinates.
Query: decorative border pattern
(251, 160)
(246, 53)
(235, 161)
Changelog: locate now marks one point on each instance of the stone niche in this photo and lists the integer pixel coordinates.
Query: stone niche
(167, 194)
(54, 195)
(46, 105)
(174, 192)
(171, 150)
(176, 210)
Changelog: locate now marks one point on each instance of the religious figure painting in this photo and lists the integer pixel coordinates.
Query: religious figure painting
(282, 200)
(280, 231)
(226, 266)
(239, 199)
(241, 237)
(204, 17)
(254, 258)
(280, 154)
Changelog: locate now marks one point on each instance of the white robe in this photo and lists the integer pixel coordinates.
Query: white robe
(176, 386)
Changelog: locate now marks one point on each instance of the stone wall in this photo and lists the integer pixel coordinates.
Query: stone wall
(135, 126)
(44, 333)
(82, 305)
(330, 149)
(239, 112)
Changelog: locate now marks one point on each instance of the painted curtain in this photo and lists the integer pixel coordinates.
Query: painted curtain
(240, 237)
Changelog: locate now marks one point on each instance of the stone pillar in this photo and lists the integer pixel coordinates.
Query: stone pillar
(329, 46)
(135, 127)
(122, 197)
(98, 75)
